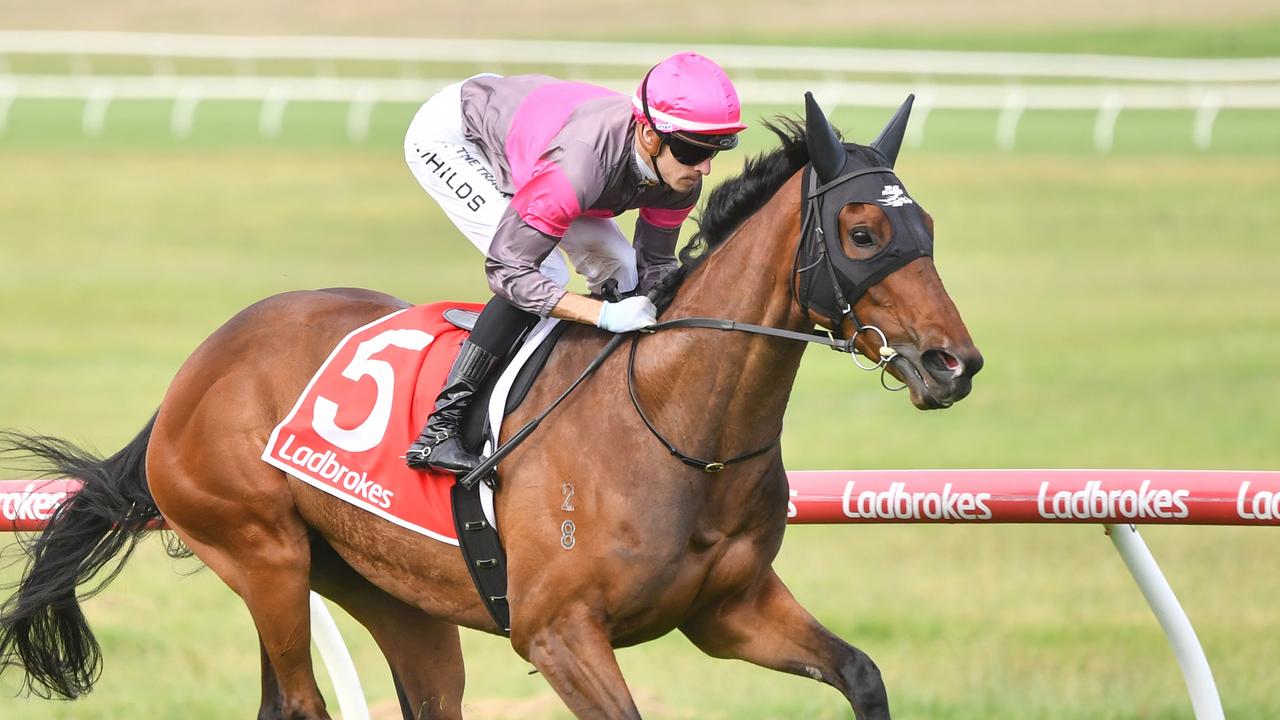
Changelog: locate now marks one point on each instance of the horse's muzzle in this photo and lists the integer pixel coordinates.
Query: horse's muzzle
(937, 378)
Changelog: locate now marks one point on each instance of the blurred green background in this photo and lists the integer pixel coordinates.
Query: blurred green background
(1127, 304)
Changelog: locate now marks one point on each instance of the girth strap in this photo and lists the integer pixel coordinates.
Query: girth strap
(482, 551)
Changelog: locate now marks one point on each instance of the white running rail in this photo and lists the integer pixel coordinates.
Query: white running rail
(1011, 83)
(613, 54)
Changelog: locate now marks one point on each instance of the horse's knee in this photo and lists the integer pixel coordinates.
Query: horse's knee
(305, 711)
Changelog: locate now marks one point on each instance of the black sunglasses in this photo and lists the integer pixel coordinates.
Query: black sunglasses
(686, 153)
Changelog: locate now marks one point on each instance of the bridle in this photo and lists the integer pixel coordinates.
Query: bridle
(816, 285)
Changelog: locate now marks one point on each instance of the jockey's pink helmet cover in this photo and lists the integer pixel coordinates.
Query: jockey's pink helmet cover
(690, 93)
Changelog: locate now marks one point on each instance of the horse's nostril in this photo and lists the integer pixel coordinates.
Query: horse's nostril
(942, 365)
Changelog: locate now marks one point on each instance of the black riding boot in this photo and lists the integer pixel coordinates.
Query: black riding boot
(439, 445)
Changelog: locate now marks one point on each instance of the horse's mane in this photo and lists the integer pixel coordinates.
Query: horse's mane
(737, 198)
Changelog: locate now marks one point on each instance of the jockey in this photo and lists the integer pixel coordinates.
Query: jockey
(526, 165)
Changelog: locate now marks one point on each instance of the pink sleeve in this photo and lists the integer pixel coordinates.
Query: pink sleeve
(548, 201)
(665, 219)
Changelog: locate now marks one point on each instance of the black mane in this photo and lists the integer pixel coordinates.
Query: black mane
(737, 198)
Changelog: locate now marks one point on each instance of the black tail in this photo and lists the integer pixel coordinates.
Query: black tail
(42, 628)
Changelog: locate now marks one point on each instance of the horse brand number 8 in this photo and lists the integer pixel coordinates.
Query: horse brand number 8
(567, 540)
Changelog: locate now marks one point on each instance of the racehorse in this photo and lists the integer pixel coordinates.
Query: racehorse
(794, 241)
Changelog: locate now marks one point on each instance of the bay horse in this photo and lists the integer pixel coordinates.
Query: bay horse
(660, 545)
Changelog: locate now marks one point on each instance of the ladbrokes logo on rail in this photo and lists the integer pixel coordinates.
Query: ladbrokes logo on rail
(1097, 503)
(898, 504)
(1261, 505)
(31, 504)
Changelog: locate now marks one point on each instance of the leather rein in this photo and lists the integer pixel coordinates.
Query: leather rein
(715, 466)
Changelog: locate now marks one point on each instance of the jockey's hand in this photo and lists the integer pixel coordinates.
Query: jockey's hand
(633, 313)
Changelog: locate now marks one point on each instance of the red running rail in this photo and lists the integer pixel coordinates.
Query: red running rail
(1187, 497)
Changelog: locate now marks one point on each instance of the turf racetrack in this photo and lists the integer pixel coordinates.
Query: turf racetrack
(1126, 305)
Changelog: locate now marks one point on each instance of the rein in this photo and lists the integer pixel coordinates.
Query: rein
(846, 345)
(486, 467)
(713, 466)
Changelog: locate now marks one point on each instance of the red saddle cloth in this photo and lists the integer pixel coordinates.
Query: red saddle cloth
(348, 432)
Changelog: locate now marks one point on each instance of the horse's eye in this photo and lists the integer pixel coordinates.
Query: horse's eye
(862, 237)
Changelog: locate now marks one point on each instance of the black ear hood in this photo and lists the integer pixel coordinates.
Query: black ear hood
(826, 152)
(889, 141)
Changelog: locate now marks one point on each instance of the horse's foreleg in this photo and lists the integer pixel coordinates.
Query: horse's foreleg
(424, 653)
(572, 651)
(767, 626)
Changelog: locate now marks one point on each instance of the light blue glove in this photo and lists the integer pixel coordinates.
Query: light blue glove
(627, 315)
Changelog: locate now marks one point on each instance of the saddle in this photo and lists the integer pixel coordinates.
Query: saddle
(476, 423)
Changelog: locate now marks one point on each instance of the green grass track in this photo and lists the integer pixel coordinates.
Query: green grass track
(1127, 303)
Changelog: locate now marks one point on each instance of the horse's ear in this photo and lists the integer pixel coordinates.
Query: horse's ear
(890, 140)
(826, 152)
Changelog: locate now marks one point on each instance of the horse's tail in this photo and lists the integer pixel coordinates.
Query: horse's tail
(42, 628)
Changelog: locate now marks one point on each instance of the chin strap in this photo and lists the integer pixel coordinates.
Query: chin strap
(654, 159)
(661, 180)
(644, 103)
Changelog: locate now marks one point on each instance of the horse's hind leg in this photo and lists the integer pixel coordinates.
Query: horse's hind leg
(424, 653)
(236, 514)
(268, 569)
(767, 626)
